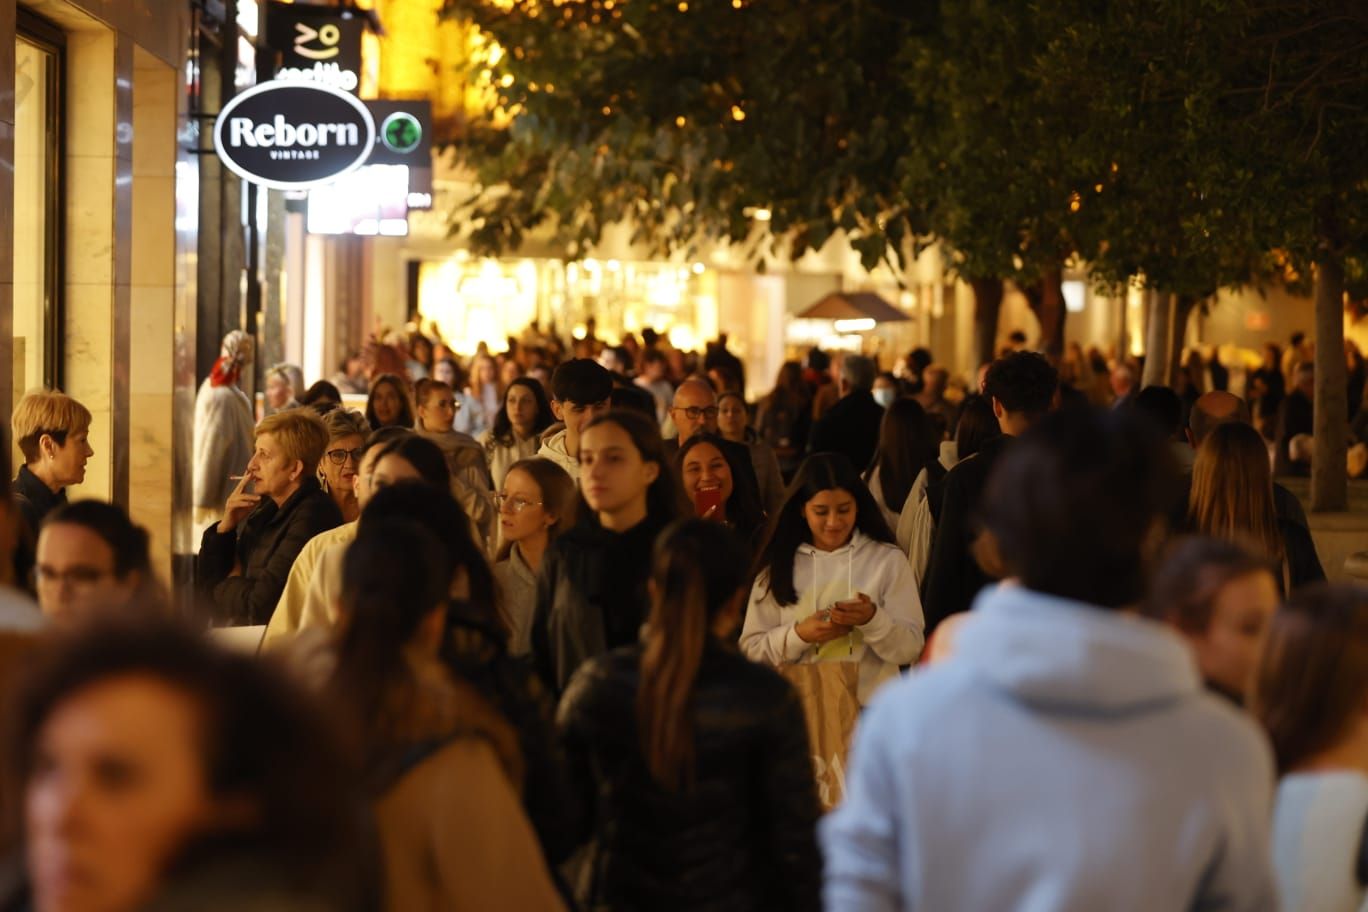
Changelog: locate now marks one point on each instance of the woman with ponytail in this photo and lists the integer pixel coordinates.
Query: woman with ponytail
(442, 766)
(695, 759)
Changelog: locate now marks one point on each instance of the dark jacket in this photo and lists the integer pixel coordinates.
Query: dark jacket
(1303, 565)
(266, 545)
(953, 576)
(851, 426)
(479, 656)
(742, 836)
(35, 501)
(591, 596)
(1295, 416)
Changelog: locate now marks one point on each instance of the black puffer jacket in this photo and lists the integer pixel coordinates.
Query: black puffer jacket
(265, 545)
(743, 836)
(591, 596)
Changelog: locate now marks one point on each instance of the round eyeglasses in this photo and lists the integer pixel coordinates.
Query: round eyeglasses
(337, 457)
(510, 504)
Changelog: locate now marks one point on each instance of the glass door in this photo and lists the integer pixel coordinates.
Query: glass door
(37, 204)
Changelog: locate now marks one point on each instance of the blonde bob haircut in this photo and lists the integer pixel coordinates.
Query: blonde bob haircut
(300, 433)
(46, 412)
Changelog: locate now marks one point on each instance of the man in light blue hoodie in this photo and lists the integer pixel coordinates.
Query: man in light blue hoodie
(1065, 757)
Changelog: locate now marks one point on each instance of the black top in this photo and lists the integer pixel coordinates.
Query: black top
(591, 596)
(35, 501)
(851, 426)
(953, 576)
(742, 835)
(1303, 565)
(265, 545)
(1295, 416)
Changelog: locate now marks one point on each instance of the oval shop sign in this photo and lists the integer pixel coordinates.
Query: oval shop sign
(293, 135)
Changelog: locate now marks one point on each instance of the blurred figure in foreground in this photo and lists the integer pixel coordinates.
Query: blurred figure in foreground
(1055, 683)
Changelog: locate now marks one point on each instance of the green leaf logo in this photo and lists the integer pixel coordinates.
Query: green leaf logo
(401, 132)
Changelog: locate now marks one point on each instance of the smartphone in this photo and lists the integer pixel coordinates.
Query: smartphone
(708, 500)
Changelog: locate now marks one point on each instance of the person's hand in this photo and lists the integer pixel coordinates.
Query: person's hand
(854, 612)
(239, 504)
(816, 628)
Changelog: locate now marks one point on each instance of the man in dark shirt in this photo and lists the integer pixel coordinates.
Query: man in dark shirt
(851, 426)
(1021, 387)
(1296, 417)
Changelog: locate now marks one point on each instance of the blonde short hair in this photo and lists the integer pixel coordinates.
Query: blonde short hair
(46, 412)
(345, 423)
(300, 433)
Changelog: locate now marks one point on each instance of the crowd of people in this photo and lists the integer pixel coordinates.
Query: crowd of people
(584, 628)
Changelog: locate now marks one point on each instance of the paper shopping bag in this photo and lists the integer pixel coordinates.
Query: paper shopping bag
(829, 693)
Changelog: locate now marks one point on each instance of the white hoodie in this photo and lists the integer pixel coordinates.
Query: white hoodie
(893, 637)
(553, 448)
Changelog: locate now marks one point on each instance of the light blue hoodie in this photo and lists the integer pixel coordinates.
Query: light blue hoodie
(1063, 758)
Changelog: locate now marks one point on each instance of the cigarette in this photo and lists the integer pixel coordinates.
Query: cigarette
(236, 477)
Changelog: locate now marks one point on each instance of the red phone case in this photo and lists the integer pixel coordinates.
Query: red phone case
(707, 500)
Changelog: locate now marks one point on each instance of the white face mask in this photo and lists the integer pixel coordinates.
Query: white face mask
(885, 396)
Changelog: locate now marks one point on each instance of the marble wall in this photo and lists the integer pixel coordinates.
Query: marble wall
(123, 109)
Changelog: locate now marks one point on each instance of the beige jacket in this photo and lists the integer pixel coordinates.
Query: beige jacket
(501, 457)
(308, 597)
(452, 828)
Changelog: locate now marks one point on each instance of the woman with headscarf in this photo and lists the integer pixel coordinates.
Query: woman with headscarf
(223, 427)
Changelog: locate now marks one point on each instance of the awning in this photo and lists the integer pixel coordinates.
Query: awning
(859, 305)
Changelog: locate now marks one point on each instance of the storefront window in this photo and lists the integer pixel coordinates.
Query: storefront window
(37, 214)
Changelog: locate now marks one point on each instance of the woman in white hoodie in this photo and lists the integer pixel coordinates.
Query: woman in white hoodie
(832, 584)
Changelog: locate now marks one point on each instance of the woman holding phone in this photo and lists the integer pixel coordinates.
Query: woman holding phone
(721, 490)
(832, 585)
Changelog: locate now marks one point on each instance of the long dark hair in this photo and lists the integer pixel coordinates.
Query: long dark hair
(434, 508)
(697, 573)
(405, 401)
(502, 431)
(976, 426)
(790, 391)
(425, 456)
(908, 443)
(665, 500)
(395, 574)
(744, 510)
(788, 528)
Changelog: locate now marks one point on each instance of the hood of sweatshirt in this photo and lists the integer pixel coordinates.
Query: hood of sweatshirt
(554, 440)
(1066, 656)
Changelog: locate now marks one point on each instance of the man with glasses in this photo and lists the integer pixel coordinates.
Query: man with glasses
(695, 412)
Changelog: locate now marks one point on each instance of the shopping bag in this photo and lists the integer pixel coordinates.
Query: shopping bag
(829, 693)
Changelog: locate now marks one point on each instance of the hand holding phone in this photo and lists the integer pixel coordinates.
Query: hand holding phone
(853, 612)
(708, 503)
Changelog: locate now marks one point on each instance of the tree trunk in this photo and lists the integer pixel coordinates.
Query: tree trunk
(987, 307)
(1329, 474)
(1182, 311)
(1046, 298)
(1158, 338)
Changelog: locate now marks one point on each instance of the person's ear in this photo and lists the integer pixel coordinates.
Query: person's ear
(297, 471)
(652, 471)
(47, 446)
(556, 410)
(998, 409)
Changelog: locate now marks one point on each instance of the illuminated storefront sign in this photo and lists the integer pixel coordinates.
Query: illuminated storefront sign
(292, 136)
(316, 44)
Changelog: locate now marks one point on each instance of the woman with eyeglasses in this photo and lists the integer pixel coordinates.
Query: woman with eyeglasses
(536, 503)
(337, 472)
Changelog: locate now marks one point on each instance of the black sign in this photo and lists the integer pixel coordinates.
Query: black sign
(316, 44)
(403, 136)
(293, 135)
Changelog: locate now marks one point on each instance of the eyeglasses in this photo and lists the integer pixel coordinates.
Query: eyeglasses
(695, 413)
(80, 576)
(510, 504)
(337, 457)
